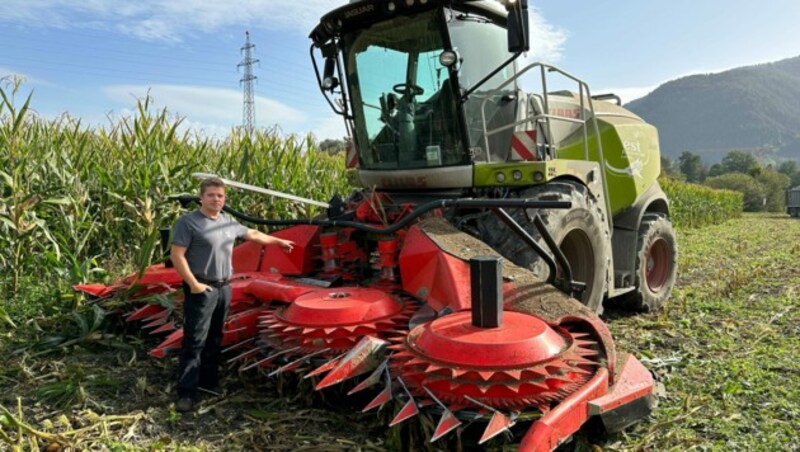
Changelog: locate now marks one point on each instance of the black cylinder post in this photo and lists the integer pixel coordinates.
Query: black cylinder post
(486, 282)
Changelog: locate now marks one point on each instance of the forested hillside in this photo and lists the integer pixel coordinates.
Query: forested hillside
(753, 108)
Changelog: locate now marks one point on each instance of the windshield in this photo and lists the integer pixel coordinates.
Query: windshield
(404, 103)
(482, 46)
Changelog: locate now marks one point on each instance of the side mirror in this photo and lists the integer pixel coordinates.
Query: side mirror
(517, 26)
(329, 81)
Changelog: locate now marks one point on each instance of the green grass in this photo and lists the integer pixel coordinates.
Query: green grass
(726, 347)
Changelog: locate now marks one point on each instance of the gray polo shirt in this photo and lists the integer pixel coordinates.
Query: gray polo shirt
(209, 243)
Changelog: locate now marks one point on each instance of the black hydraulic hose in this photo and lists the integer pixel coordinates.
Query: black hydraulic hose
(416, 213)
(565, 267)
(523, 234)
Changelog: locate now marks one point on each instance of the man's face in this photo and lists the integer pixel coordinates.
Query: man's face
(213, 199)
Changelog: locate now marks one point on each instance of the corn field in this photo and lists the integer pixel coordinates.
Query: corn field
(73, 199)
(694, 206)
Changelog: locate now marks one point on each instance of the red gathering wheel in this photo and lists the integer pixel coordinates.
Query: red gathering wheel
(335, 319)
(523, 362)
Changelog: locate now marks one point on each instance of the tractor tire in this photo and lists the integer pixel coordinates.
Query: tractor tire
(581, 232)
(656, 265)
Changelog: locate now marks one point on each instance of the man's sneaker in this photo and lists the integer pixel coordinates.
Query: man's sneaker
(184, 405)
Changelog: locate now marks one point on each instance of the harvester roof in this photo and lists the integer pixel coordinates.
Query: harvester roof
(362, 13)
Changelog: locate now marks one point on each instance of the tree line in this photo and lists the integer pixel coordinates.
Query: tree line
(763, 186)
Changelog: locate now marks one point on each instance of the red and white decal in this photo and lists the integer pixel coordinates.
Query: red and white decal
(523, 145)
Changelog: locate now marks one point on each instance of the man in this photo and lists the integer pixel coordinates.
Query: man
(202, 245)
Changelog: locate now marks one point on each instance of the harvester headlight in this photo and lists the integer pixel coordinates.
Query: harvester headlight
(448, 58)
(517, 175)
(330, 83)
(500, 177)
(410, 2)
(423, 2)
(538, 176)
(390, 6)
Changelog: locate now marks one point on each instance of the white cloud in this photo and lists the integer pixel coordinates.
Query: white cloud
(547, 40)
(167, 21)
(156, 20)
(206, 105)
(328, 127)
(204, 129)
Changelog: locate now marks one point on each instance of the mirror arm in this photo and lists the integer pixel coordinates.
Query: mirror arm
(466, 94)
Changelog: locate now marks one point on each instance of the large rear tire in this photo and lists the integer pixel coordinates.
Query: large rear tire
(581, 233)
(656, 264)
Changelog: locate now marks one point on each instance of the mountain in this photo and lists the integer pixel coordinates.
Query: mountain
(753, 108)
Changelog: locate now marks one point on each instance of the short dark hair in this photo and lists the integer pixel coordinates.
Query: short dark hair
(210, 182)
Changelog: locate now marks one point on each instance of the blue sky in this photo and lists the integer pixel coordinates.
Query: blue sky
(93, 58)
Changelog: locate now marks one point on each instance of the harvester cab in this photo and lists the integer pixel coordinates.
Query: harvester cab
(415, 84)
(464, 279)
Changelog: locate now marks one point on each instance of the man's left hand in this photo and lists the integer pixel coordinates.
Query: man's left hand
(286, 245)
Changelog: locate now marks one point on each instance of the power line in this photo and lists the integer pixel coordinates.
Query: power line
(122, 74)
(248, 108)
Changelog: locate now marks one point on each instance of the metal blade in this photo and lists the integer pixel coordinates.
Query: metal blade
(245, 354)
(143, 312)
(172, 342)
(162, 352)
(164, 328)
(325, 367)
(383, 397)
(448, 421)
(157, 322)
(374, 378)
(234, 331)
(446, 424)
(364, 357)
(408, 411)
(270, 358)
(238, 344)
(296, 363)
(498, 424)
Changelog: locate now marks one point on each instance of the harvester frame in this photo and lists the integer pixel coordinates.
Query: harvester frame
(637, 209)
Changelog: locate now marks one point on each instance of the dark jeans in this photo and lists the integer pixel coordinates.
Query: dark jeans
(204, 317)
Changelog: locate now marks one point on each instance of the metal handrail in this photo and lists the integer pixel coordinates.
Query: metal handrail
(583, 93)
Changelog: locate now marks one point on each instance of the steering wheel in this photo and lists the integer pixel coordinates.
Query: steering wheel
(408, 89)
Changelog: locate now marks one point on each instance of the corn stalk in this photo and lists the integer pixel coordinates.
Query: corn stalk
(74, 198)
